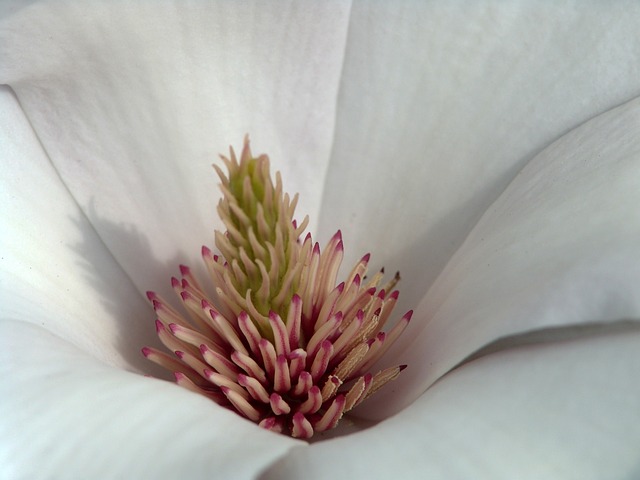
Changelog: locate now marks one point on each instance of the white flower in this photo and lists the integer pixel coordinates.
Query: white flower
(464, 145)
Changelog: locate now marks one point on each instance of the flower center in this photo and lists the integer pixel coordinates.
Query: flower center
(281, 344)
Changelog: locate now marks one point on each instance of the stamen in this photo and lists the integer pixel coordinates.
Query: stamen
(323, 334)
(357, 392)
(351, 362)
(268, 356)
(254, 387)
(313, 402)
(383, 377)
(280, 336)
(219, 362)
(224, 382)
(281, 377)
(349, 334)
(321, 360)
(273, 424)
(305, 382)
(298, 360)
(250, 332)
(169, 341)
(278, 405)
(242, 405)
(301, 426)
(294, 320)
(192, 361)
(249, 365)
(171, 364)
(332, 415)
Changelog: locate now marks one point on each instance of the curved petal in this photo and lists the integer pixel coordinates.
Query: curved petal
(68, 416)
(55, 271)
(134, 100)
(441, 104)
(564, 411)
(559, 248)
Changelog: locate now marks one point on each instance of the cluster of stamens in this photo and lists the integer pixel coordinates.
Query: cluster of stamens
(282, 344)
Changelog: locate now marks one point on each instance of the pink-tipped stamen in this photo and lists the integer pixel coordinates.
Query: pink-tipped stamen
(301, 427)
(313, 402)
(332, 415)
(278, 405)
(282, 376)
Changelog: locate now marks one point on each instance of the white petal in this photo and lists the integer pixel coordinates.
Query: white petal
(568, 411)
(67, 416)
(54, 269)
(133, 102)
(441, 104)
(559, 248)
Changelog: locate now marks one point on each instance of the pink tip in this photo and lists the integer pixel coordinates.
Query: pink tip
(340, 247)
(179, 376)
(381, 294)
(407, 316)
(377, 312)
(307, 237)
(316, 249)
(360, 314)
(179, 354)
(159, 326)
(156, 304)
(146, 351)
(151, 296)
(207, 372)
(175, 282)
(402, 367)
(340, 287)
(357, 279)
(296, 299)
(268, 423)
(185, 295)
(204, 303)
(338, 235)
(371, 291)
(206, 251)
(366, 258)
(273, 315)
(203, 349)
(294, 223)
(395, 294)
(184, 270)
(173, 327)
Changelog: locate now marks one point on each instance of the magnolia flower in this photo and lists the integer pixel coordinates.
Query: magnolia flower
(488, 151)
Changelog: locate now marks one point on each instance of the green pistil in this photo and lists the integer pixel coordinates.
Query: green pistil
(261, 243)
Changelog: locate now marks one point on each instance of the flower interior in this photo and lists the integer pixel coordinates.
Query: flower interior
(280, 342)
